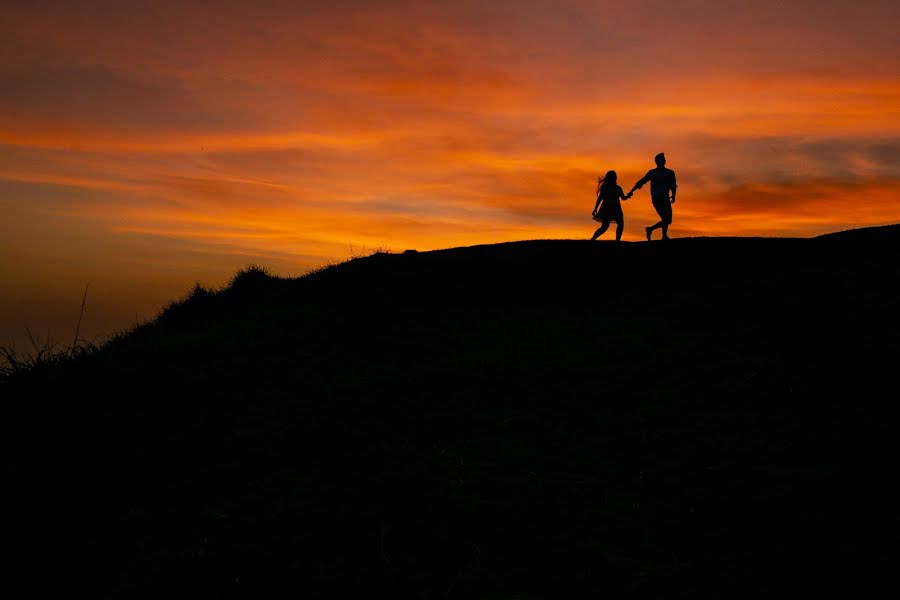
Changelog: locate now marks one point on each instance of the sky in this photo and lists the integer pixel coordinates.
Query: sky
(147, 146)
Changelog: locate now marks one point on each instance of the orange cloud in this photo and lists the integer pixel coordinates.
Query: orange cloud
(162, 141)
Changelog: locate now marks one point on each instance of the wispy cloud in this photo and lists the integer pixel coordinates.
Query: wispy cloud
(289, 131)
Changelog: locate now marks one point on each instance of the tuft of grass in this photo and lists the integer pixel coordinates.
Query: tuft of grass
(322, 268)
(198, 292)
(364, 252)
(46, 352)
(250, 275)
(355, 254)
(42, 354)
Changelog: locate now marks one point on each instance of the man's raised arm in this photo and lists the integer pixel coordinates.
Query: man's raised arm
(640, 182)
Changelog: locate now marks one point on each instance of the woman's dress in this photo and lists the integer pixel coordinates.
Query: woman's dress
(611, 208)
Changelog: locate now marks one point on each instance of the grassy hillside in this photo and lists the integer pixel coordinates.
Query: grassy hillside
(544, 419)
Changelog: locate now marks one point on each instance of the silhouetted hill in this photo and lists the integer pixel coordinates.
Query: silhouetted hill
(706, 417)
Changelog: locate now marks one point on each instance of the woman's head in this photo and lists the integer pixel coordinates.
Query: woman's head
(609, 179)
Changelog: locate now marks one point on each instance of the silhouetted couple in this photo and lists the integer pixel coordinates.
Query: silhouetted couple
(662, 181)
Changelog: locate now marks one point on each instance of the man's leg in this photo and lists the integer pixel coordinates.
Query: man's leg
(620, 227)
(650, 229)
(664, 209)
(667, 220)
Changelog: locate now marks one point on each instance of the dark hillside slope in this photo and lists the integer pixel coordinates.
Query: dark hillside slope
(706, 417)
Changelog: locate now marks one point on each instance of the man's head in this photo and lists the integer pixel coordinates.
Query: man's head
(660, 159)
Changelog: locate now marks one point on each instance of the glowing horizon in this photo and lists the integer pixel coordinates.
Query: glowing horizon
(150, 146)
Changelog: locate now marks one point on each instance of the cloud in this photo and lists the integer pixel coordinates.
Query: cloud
(294, 129)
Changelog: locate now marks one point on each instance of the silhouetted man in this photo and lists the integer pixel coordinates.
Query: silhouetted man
(661, 181)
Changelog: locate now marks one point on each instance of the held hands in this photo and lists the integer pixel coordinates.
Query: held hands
(629, 194)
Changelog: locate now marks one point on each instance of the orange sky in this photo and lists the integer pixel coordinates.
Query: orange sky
(146, 146)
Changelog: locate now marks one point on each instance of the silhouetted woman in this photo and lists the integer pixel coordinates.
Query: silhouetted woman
(609, 193)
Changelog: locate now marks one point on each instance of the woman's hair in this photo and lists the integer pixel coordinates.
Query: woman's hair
(610, 179)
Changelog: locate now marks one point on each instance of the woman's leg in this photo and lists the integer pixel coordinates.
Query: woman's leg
(603, 227)
(620, 227)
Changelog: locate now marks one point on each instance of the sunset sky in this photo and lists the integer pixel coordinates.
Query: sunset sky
(145, 146)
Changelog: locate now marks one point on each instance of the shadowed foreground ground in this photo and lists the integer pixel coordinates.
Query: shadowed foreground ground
(550, 419)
